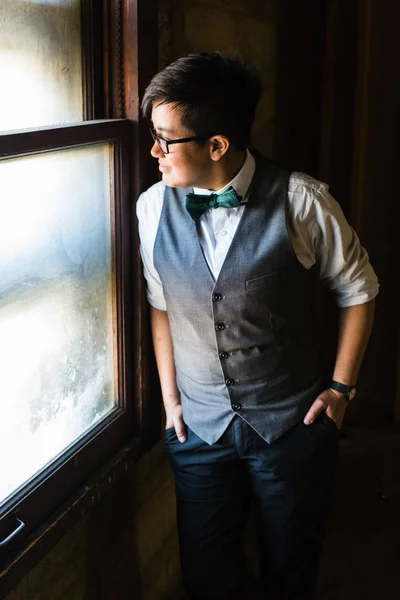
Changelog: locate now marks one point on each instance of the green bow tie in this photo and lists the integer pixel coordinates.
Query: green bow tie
(197, 204)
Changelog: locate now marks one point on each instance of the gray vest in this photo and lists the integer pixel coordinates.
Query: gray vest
(242, 343)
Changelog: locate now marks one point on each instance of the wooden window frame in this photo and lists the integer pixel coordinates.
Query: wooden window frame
(117, 66)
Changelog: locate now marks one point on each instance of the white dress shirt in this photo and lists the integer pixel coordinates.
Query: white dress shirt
(317, 228)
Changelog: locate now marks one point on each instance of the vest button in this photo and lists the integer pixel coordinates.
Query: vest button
(219, 326)
(216, 297)
(223, 355)
(230, 381)
(236, 406)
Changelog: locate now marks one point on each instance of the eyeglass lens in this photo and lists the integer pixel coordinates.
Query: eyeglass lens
(161, 143)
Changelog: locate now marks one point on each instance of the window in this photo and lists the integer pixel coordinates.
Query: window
(41, 63)
(73, 378)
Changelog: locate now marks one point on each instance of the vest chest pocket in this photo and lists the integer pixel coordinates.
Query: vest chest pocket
(271, 281)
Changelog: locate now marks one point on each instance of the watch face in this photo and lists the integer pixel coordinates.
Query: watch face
(351, 394)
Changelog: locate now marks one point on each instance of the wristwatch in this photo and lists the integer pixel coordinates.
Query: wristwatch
(349, 391)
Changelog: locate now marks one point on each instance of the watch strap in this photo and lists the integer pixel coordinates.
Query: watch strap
(347, 390)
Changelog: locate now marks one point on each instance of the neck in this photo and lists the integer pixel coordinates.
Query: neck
(225, 170)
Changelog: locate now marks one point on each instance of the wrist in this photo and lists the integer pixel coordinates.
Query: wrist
(171, 399)
(172, 405)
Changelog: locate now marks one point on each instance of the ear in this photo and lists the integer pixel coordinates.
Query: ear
(219, 146)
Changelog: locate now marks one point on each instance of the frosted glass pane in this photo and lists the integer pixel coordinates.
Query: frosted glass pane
(40, 63)
(56, 308)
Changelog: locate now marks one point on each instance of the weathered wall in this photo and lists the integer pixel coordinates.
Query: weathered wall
(127, 546)
(246, 29)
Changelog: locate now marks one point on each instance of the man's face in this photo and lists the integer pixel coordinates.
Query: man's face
(186, 165)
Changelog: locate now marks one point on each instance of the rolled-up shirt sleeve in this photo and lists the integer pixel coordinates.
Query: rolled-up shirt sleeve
(321, 236)
(148, 210)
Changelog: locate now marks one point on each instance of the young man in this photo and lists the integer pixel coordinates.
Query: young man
(228, 240)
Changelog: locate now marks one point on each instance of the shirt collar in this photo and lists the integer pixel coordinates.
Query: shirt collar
(240, 183)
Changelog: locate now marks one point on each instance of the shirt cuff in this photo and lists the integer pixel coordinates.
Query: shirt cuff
(355, 299)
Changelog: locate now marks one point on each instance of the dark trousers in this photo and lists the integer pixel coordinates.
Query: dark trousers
(290, 482)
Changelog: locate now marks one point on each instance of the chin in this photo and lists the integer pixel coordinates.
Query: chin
(172, 181)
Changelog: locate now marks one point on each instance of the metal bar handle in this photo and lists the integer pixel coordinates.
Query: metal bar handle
(14, 533)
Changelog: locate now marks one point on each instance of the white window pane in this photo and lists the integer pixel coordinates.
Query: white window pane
(56, 308)
(40, 63)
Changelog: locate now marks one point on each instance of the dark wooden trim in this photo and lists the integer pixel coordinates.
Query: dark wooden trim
(114, 58)
(92, 59)
(66, 516)
(119, 87)
(124, 274)
(107, 66)
(140, 50)
(30, 141)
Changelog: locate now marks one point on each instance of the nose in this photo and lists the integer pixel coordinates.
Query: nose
(156, 151)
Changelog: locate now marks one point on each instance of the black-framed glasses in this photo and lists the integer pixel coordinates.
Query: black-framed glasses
(164, 144)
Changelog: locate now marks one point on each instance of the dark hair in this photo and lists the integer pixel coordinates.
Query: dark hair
(213, 93)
